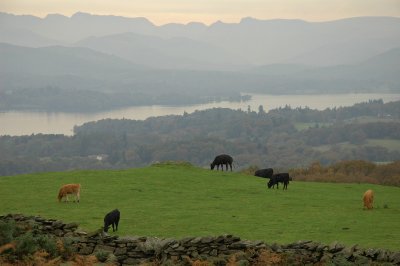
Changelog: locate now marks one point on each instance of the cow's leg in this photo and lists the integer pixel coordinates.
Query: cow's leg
(113, 226)
(78, 196)
(116, 225)
(66, 198)
(230, 166)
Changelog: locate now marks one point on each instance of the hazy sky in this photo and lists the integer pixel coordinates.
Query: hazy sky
(208, 11)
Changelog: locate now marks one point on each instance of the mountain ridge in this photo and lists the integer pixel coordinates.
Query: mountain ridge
(258, 42)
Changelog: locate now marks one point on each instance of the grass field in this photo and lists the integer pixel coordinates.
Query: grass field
(179, 200)
(390, 144)
(306, 125)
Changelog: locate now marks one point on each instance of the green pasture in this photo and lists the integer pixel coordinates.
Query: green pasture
(390, 144)
(370, 119)
(176, 201)
(306, 125)
(359, 120)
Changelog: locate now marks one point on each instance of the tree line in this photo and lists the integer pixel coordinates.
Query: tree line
(356, 171)
(253, 138)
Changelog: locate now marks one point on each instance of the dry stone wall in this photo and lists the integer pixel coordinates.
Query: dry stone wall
(218, 250)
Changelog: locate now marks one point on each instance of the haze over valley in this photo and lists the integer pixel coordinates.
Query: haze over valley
(94, 63)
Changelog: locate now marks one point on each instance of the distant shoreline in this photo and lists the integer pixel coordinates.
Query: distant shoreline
(16, 123)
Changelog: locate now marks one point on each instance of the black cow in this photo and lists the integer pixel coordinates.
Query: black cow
(111, 218)
(266, 173)
(279, 178)
(221, 160)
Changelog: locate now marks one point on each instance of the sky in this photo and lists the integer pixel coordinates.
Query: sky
(208, 11)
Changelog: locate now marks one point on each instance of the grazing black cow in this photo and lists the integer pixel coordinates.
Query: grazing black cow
(221, 160)
(279, 178)
(273, 181)
(111, 218)
(266, 173)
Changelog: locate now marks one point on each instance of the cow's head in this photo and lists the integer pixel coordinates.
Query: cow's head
(212, 166)
(105, 228)
(270, 183)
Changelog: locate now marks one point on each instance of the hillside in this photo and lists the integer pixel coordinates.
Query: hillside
(378, 73)
(59, 60)
(283, 138)
(73, 79)
(165, 53)
(178, 200)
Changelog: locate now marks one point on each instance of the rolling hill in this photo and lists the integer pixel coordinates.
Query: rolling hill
(178, 200)
(378, 73)
(59, 60)
(165, 53)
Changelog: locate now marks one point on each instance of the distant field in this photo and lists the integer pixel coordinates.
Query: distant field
(390, 144)
(305, 126)
(359, 120)
(178, 201)
(371, 119)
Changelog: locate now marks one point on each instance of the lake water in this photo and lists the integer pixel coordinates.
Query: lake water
(27, 123)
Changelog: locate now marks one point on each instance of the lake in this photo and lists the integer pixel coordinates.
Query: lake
(26, 123)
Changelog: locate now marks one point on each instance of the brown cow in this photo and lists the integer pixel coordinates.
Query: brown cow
(67, 189)
(368, 199)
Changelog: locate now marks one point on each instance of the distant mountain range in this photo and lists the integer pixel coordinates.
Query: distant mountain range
(220, 45)
(158, 52)
(110, 54)
(84, 68)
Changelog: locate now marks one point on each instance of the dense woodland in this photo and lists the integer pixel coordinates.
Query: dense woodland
(283, 138)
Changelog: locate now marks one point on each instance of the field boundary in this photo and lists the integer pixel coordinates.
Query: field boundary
(135, 250)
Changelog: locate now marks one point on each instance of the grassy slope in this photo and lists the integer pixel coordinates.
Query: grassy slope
(178, 201)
